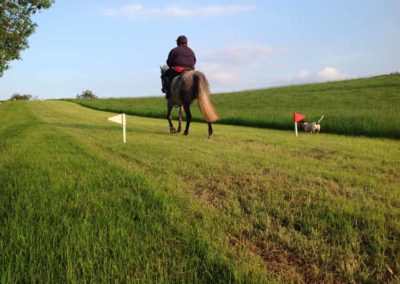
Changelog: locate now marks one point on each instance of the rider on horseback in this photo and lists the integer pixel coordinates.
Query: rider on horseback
(180, 58)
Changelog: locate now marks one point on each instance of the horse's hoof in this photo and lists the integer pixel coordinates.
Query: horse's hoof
(172, 130)
(185, 133)
(178, 130)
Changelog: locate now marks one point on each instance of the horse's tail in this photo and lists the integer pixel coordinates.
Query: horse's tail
(201, 87)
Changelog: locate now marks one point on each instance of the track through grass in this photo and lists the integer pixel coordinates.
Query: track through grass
(69, 215)
(250, 205)
(361, 107)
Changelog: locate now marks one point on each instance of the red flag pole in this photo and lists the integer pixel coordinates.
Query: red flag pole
(297, 117)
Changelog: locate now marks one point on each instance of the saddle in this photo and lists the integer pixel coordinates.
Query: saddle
(170, 75)
(179, 69)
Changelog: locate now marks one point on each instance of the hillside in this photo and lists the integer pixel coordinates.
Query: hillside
(368, 107)
(248, 206)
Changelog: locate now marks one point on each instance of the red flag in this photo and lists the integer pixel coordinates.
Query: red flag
(298, 116)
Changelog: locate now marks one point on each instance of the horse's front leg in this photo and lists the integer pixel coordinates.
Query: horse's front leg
(180, 118)
(210, 130)
(171, 126)
(188, 118)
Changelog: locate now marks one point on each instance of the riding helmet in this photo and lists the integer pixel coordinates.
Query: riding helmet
(181, 40)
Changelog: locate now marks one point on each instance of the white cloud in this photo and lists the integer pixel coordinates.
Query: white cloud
(135, 11)
(303, 74)
(230, 67)
(329, 73)
(131, 10)
(220, 74)
(245, 54)
(326, 74)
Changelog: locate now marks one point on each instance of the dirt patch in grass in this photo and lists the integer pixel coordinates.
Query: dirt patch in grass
(284, 263)
(259, 206)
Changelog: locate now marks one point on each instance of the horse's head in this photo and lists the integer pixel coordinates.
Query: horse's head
(164, 79)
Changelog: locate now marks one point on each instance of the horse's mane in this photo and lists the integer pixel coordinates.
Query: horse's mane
(164, 68)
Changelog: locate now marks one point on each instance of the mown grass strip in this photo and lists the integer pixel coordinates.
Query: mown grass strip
(361, 107)
(69, 215)
(309, 209)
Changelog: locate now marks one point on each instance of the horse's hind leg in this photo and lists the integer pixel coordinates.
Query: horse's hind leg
(188, 118)
(210, 130)
(180, 118)
(171, 126)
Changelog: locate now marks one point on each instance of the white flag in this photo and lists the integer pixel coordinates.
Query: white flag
(121, 119)
(117, 119)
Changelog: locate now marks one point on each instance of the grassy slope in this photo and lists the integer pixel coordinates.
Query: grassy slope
(367, 107)
(76, 204)
(68, 214)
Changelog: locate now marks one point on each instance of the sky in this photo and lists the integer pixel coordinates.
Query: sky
(115, 48)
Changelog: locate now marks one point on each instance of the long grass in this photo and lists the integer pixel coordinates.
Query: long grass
(365, 107)
(250, 205)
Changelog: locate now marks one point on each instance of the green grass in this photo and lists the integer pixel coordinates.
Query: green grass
(68, 214)
(366, 107)
(250, 205)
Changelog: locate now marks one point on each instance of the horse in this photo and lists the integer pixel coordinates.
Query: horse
(185, 88)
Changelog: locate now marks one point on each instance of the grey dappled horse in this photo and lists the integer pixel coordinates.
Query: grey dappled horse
(185, 88)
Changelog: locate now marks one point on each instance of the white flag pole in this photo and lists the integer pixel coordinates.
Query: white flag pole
(295, 128)
(124, 127)
(121, 119)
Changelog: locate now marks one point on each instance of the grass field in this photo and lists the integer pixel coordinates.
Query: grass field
(248, 206)
(367, 107)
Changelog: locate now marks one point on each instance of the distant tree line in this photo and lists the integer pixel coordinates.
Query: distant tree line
(86, 95)
(20, 97)
(395, 73)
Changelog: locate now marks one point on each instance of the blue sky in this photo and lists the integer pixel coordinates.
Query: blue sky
(115, 48)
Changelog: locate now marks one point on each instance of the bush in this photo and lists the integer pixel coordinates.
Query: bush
(86, 95)
(19, 97)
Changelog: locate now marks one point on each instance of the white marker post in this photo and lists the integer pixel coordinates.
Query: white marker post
(124, 127)
(120, 119)
(297, 117)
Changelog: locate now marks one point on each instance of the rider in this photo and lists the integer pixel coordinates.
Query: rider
(180, 58)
